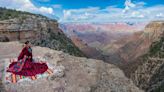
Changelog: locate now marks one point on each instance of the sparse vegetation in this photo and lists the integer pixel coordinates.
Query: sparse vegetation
(160, 88)
(147, 71)
(57, 41)
(155, 83)
(157, 49)
(10, 14)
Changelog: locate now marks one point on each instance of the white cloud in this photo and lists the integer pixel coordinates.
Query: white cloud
(128, 5)
(46, 10)
(79, 14)
(25, 5)
(133, 11)
(160, 15)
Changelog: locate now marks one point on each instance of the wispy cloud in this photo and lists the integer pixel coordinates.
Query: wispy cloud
(80, 14)
(133, 11)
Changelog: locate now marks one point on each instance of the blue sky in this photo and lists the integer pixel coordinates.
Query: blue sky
(92, 10)
(75, 4)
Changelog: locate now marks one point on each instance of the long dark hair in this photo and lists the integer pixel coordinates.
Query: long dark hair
(27, 42)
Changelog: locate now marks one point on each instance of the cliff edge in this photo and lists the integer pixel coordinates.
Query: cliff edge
(40, 30)
(79, 74)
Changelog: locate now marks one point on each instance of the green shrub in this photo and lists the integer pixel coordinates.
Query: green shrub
(156, 48)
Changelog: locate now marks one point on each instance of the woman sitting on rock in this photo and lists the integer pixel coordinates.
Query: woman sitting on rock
(25, 65)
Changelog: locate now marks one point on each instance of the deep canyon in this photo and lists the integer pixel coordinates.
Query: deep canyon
(131, 55)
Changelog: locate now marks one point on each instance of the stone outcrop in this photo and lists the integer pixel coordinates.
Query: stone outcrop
(39, 29)
(77, 74)
(149, 75)
(140, 44)
(130, 48)
(147, 71)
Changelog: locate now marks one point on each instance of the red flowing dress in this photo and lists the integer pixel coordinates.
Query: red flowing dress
(25, 65)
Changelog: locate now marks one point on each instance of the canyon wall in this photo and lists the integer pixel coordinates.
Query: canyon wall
(38, 29)
(147, 71)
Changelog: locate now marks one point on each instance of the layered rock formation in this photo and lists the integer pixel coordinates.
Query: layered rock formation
(129, 48)
(147, 71)
(108, 40)
(38, 29)
(139, 44)
(80, 74)
(87, 50)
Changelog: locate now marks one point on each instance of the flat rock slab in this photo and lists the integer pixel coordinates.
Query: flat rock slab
(75, 74)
